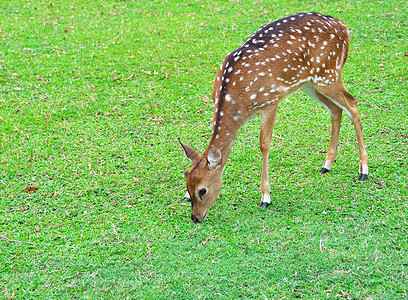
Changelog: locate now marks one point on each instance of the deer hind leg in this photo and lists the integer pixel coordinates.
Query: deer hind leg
(267, 122)
(342, 98)
(335, 114)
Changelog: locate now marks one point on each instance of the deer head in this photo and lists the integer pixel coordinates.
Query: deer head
(203, 180)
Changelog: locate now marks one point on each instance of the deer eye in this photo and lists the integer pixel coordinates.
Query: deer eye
(202, 192)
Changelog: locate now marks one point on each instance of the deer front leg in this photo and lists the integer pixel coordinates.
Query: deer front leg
(267, 122)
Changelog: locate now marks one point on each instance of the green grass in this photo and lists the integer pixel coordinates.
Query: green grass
(93, 96)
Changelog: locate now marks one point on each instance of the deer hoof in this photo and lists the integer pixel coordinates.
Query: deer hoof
(264, 204)
(324, 170)
(362, 177)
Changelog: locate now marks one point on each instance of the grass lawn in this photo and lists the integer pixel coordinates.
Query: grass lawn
(93, 96)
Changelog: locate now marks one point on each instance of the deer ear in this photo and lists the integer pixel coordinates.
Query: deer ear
(214, 158)
(190, 153)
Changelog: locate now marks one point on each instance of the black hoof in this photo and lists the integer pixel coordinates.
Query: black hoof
(264, 204)
(185, 199)
(324, 170)
(362, 177)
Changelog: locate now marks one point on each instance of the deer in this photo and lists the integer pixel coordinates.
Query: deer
(303, 51)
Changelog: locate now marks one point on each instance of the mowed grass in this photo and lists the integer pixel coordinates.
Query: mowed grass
(93, 96)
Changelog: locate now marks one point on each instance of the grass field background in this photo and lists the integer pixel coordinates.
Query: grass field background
(93, 96)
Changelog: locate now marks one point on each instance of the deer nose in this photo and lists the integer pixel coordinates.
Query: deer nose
(194, 219)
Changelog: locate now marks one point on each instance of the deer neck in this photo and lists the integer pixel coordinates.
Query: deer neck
(228, 118)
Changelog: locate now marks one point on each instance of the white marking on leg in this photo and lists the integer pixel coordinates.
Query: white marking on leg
(327, 165)
(364, 169)
(342, 107)
(266, 198)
